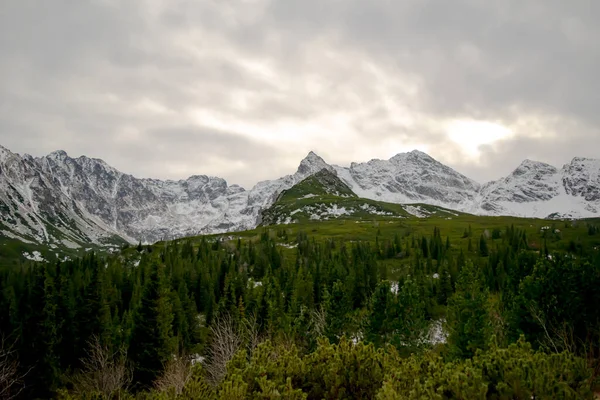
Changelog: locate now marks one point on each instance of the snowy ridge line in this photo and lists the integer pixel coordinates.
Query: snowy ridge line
(58, 199)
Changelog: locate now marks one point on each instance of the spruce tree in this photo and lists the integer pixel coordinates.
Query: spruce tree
(467, 318)
(152, 343)
(445, 289)
(378, 331)
(424, 247)
(337, 305)
(483, 247)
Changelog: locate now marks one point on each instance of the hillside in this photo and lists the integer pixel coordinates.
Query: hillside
(323, 196)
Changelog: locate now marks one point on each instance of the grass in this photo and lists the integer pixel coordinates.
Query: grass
(384, 228)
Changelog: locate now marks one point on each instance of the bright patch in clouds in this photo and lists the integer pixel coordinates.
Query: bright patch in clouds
(470, 134)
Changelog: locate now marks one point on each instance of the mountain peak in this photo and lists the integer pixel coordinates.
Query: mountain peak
(58, 154)
(583, 160)
(419, 153)
(4, 153)
(311, 164)
(313, 157)
(412, 156)
(529, 161)
(530, 165)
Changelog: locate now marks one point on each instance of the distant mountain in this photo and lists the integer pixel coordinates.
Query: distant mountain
(61, 201)
(540, 190)
(411, 177)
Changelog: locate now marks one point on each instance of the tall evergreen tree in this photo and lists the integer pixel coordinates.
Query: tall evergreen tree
(467, 319)
(152, 343)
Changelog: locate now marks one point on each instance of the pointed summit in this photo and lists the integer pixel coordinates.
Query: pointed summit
(313, 158)
(415, 155)
(58, 155)
(4, 153)
(529, 166)
(312, 164)
(419, 153)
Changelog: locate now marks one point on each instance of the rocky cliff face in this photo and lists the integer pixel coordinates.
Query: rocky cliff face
(64, 201)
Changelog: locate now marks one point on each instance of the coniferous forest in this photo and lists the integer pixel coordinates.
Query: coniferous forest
(294, 313)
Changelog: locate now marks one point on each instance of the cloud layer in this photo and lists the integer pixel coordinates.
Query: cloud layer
(244, 89)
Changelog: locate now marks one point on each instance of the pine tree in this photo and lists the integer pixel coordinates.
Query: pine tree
(152, 343)
(445, 289)
(424, 247)
(483, 247)
(408, 316)
(467, 318)
(337, 305)
(378, 331)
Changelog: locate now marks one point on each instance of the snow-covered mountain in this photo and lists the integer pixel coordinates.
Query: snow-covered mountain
(540, 190)
(67, 201)
(411, 177)
(63, 201)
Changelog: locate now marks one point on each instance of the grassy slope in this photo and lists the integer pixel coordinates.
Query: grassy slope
(384, 228)
(319, 193)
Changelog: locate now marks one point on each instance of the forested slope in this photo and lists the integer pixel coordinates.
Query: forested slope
(439, 307)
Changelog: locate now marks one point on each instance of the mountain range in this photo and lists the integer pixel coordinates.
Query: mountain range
(72, 202)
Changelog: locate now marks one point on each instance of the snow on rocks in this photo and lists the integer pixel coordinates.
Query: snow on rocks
(34, 256)
(373, 210)
(437, 334)
(417, 211)
(288, 246)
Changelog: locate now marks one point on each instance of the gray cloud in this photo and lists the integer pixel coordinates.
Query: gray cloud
(243, 89)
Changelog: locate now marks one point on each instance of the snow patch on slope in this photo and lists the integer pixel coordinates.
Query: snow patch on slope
(417, 211)
(34, 256)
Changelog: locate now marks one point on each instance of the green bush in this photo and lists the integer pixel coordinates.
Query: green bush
(516, 372)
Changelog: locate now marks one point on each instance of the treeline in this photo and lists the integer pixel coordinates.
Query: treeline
(301, 314)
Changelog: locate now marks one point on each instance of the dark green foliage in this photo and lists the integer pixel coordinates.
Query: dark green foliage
(386, 287)
(337, 306)
(445, 286)
(516, 372)
(467, 319)
(359, 371)
(483, 247)
(496, 233)
(558, 305)
(152, 342)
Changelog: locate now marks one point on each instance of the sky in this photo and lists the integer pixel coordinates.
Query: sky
(244, 89)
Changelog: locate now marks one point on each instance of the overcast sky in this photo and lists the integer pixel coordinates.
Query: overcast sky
(245, 89)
